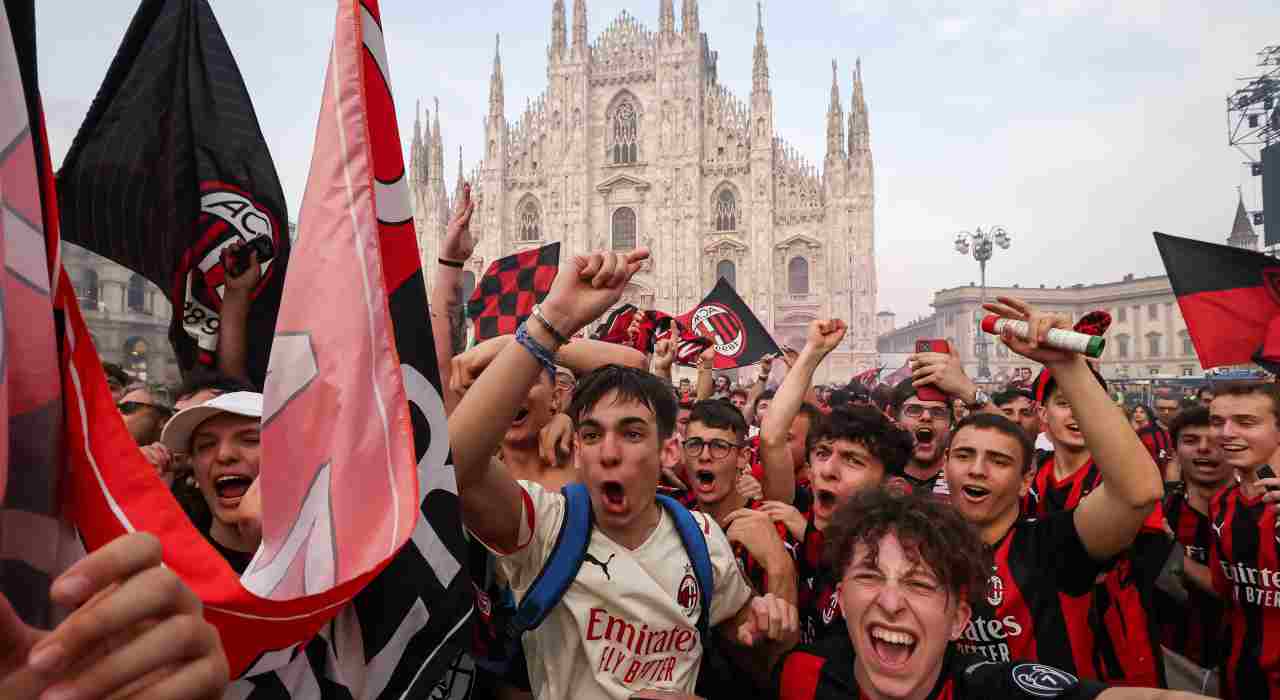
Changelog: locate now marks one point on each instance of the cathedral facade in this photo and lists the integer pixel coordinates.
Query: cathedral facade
(635, 142)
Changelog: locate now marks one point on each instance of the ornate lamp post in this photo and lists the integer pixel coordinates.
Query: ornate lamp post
(983, 244)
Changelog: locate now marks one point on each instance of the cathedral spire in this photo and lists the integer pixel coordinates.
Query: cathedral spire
(667, 17)
(580, 27)
(437, 147)
(495, 82)
(859, 130)
(1242, 235)
(760, 67)
(689, 18)
(835, 118)
(558, 37)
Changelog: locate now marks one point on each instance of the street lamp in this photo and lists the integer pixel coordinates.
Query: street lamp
(983, 244)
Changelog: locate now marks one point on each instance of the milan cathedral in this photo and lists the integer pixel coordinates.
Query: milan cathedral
(635, 142)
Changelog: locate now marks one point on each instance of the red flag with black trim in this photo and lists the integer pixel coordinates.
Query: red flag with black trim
(506, 294)
(628, 325)
(738, 336)
(170, 168)
(1230, 299)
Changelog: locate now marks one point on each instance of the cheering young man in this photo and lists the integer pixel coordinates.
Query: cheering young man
(627, 621)
(1037, 599)
(911, 571)
(1245, 551)
(1190, 628)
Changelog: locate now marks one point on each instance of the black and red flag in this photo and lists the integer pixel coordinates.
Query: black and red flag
(1230, 299)
(505, 296)
(629, 325)
(170, 167)
(739, 337)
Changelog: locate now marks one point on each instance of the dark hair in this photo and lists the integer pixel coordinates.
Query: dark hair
(739, 392)
(1194, 417)
(904, 390)
(631, 384)
(932, 532)
(1270, 390)
(1207, 387)
(1151, 415)
(205, 380)
(868, 427)
(811, 412)
(882, 397)
(766, 395)
(719, 414)
(997, 422)
(1008, 396)
(840, 398)
(115, 372)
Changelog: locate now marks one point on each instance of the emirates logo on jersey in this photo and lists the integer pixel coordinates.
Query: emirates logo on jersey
(995, 590)
(687, 595)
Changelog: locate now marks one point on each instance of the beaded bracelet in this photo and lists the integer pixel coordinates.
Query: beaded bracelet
(544, 356)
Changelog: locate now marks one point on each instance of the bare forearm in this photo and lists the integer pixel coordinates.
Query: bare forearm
(447, 330)
(1147, 694)
(1199, 576)
(584, 356)
(753, 394)
(780, 574)
(705, 383)
(779, 469)
(233, 341)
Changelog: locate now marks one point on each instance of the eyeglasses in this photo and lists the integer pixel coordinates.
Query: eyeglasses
(129, 408)
(915, 410)
(719, 448)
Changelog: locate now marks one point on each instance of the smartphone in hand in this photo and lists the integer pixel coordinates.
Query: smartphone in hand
(929, 392)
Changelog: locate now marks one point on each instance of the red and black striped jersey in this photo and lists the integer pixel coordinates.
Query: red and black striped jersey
(826, 672)
(1040, 585)
(751, 567)
(1119, 627)
(1192, 628)
(1158, 443)
(1245, 565)
(817, 602)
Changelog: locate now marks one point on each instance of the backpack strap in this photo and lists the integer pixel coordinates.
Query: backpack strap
(562, 564)
(695, 545)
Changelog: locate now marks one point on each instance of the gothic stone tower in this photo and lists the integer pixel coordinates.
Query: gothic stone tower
(635, 142)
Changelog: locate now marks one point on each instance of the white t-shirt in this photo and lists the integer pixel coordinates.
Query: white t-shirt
(629, 620)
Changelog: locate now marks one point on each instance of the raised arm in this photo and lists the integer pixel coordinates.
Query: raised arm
(779, 471)
(583, 356)
(664, 356)
(233, 323)
(491, 502)
(706, 380)
(1108, 519)
(447, 329)
(761, 383)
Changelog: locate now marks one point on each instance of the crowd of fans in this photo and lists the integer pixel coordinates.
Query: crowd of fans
(801, 541)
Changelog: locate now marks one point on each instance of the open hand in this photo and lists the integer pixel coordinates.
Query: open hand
(458, 245)
(588, 286)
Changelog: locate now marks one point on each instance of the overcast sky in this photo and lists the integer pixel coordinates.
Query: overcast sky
(1080, 125)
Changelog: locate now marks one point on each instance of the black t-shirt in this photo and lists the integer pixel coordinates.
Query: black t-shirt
(825, 672)
(239, 561)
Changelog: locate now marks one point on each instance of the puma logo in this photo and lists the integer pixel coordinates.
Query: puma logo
(1217, 529)
(604, 565)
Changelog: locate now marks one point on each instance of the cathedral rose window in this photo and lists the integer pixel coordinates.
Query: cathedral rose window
(624, 229)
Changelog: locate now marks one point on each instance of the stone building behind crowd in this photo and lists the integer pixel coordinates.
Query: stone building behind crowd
(1148, 337)
(127, 315)
(635, 142)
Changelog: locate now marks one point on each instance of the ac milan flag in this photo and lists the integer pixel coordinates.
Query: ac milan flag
(36, 541)
(510, 288)
(738, 336)
(869, 378)
(170, 167)
(1230, 299)
(628, 325)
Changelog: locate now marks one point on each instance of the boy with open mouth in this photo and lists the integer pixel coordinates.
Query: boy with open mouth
(1039, 592)
(632, 617)
(911, 571)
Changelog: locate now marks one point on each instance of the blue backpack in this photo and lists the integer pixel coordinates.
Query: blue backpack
(571, 548)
